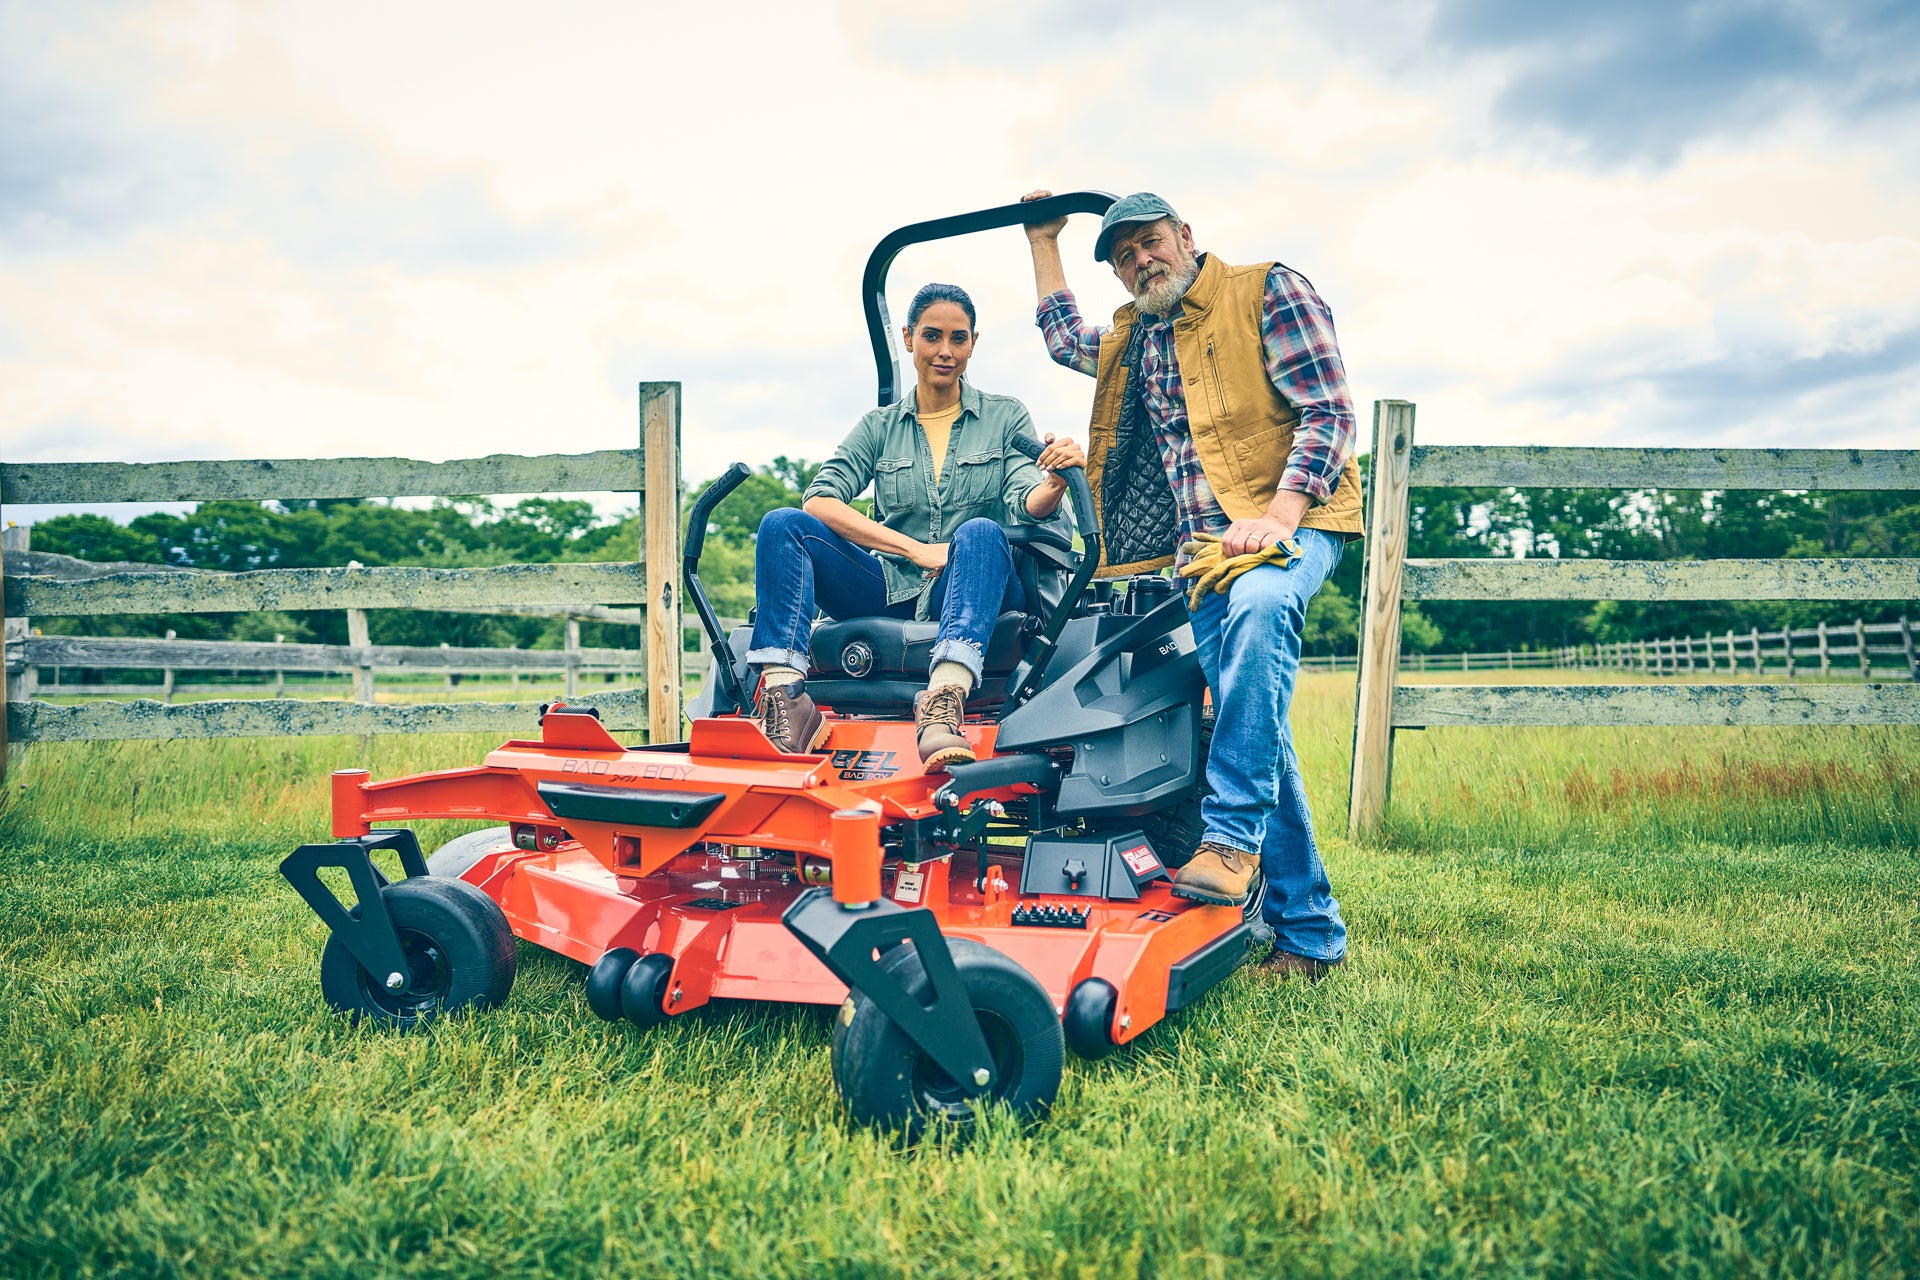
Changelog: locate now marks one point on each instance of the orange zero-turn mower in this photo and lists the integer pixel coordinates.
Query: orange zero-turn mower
(970, 923)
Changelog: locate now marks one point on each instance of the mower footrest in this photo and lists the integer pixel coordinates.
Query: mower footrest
(1188, 980)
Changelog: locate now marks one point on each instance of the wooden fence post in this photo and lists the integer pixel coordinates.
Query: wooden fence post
(1786, 636)
(357, 638)
(279, 673)
(1906, 640)
(1386, 555)
(1866, 658)
(166, 676)
(660, 447)
(12, 538)
(573, 656)
(1825, 659)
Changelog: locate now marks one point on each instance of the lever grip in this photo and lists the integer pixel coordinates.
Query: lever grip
(729, 480)
(1079, 493)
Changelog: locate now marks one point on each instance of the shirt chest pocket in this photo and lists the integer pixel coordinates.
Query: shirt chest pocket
(976, 478)
(893, 484)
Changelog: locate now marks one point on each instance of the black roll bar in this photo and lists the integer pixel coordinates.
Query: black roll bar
(873, 281)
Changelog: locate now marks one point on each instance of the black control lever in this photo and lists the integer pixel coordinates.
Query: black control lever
(730, 479)
(1081, 494)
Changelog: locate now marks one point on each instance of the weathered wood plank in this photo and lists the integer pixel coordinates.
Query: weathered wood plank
(389, 587)
(1547, 579)
(278, 717)
(1503, 706)
(615, 470)
(51, 564)
(242, 655)
(1370, 783)
(1553, 467)
(660, 442)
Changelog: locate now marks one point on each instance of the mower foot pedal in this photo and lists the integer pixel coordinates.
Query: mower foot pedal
(1051, 917)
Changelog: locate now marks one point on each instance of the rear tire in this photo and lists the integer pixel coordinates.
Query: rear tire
(459, 949)
(1176, 832)
(886, 1079)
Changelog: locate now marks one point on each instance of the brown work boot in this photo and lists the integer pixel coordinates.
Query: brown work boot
(789, 719)
(1217, 873)
(1285, 964)
(936, 716)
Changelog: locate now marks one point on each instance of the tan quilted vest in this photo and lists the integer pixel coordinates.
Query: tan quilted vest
(1242, 427)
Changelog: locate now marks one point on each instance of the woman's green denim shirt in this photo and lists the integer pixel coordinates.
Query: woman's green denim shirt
(984, 476)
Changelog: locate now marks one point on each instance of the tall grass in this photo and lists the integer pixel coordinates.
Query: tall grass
(1618, 1003)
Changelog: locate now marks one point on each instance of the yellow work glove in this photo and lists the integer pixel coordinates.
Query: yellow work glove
(1215, 572)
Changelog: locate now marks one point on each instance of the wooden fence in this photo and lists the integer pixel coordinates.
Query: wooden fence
(1828, 650)
(1844, 650)
(650, 581)
(1388, 578)
(36, 655)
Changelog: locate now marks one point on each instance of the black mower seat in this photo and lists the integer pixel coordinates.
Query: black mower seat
(875, 666)
(898, 648)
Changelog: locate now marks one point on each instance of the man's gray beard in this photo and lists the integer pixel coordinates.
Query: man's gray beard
(1166, 290)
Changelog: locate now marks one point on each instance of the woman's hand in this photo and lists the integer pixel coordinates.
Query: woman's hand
(1042, 230)
(930, 556)
(1060, 452)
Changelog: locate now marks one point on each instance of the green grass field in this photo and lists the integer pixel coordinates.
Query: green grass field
(1620, 1003)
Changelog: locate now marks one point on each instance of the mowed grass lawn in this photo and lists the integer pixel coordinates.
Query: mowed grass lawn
(1619, 1003)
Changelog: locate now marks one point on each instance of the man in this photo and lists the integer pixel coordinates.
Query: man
(1221, 408)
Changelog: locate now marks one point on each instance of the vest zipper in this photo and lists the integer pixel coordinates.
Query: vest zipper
(1219, 387)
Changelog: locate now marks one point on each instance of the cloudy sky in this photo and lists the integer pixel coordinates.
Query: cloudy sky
(440, 230)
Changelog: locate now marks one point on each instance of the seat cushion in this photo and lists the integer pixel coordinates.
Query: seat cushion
(898, 648)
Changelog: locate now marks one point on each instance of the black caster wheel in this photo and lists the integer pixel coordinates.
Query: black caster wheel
(454, 857)
(643, 992)
(888, 1082)
(1088, 1021)
(604, 979)
(459, 950)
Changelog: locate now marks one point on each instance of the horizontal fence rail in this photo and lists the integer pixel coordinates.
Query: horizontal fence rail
(383, 587)
(281, 479)
(1388, 578)
(117, 653)
(267, 717)
(1583, 579)
(1422, 706)
(1554, 467)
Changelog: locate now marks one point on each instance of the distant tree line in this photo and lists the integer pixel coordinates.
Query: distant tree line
(1642, 525)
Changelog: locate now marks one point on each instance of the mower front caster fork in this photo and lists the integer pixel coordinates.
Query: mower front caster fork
(845, 939)
(367, 931)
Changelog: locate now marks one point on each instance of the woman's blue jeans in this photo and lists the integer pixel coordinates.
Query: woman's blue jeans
(1249, 644)
(801, 567)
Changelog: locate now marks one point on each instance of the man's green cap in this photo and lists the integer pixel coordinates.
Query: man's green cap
(1141, 206)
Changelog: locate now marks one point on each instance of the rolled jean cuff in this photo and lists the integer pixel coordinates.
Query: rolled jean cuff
(964, 652)
(795, 658)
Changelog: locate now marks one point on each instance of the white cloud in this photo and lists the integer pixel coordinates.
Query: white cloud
(445, 230)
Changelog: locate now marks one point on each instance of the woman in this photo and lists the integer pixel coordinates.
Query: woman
(945, 479)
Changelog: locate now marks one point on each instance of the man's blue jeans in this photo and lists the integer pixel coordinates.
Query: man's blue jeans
(1249, 642)
(801, 567)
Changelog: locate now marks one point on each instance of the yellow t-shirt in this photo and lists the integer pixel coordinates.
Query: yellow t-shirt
(938, 424)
